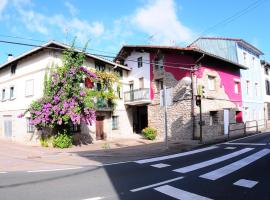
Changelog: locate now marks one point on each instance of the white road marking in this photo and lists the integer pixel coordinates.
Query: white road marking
(179, 194)
(230, 148)
(228, 169)
(175, 155)
(52, 170)
(246, 183)
(3, 172)
(248, 144)
(160, 165)
(212, 161)
(156, 184)
(94, 198)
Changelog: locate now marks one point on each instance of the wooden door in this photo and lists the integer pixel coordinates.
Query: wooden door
(100, 127)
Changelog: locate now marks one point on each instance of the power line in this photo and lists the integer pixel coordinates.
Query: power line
(234, 16)
(101, 55)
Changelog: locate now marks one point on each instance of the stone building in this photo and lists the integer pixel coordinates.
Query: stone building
(169, 67)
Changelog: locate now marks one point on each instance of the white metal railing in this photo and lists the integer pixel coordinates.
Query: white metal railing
(137, 95)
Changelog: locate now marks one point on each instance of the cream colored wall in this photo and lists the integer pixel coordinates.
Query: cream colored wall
(34, 68)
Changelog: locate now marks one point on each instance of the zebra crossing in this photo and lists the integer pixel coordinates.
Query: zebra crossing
(237, 158)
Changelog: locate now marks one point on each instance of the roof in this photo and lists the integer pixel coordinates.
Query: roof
(177, 48)
(238, 40)
(53, 45)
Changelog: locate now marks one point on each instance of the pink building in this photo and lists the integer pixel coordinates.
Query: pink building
(174, 68)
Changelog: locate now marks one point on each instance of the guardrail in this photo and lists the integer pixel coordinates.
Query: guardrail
(246, 126)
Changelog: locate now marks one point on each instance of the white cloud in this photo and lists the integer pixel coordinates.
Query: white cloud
(3, 4)
(159, 19)
(72, 9)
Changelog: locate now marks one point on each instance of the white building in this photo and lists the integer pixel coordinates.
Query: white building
(21, 82)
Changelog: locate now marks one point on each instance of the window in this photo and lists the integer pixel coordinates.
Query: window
(100, 66)
(13, 68)
(211, 83)
(267, 87)
(159, 63)
(3, 94)
(141, 82)
(119, 72)
(131, 86)
(238, 117)
(236, 87)
(213, 118)
(139, 60)
(245, 58)
(98, 86)
(120, 92)
(29, 88)
(256, 89)
(268, 110)
(11, 92)
(160, 84)
(248, 88)
(266, 70)
(29, 126)
(115, 122)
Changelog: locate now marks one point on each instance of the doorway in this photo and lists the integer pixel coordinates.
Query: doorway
(226, 121)
(140, 118)
(100, 135)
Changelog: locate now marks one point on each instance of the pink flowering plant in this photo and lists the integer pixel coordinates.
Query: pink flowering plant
(65, 101)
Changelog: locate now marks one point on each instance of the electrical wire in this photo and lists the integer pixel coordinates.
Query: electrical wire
(102, 55)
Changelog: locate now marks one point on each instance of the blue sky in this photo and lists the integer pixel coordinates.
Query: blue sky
(110, 24)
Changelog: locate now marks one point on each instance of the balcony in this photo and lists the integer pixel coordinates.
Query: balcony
(137, 97)
(103, 105)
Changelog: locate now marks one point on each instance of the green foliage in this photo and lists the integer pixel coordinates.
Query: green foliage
(62, 141)
(150, 133)
(46, 141)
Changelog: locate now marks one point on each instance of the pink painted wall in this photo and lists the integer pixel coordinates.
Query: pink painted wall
(226, 72)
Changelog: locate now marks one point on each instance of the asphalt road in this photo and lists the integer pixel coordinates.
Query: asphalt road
(235, 170)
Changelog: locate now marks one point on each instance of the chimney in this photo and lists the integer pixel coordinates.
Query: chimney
(10, 57)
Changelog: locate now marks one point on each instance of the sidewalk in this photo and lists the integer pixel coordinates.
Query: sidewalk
(18, 157)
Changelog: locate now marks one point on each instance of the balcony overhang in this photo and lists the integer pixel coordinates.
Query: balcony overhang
(138, 102)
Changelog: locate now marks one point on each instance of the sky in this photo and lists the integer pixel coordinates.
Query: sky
(107, 25)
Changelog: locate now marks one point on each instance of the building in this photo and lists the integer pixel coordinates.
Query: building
(252, 80)
(21, 82)
(266, 91)
(155, 67)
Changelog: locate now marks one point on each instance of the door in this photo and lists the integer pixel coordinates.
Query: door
(100, 128)
(8, 126)
(226, 121)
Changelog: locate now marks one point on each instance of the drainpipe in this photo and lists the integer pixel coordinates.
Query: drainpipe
(192, 104)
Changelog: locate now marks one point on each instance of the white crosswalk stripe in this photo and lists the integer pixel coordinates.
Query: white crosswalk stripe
(179, 194)
(212, 161)
(175, 155)
(228, 169)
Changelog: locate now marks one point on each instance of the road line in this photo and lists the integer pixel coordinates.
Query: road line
(228, 169)
(179, 194)
(3, 172)
(94, 198)
(52, 170)
(174, 155)
(160, 165)
(156, 184)
(212, 161)
(248, 144)
(230, 148)
(246, 183)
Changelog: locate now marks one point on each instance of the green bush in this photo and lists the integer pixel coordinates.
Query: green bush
(62, 141)
(149, 133)
(44, 142)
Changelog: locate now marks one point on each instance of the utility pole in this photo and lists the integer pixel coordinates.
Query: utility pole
(165, 118)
